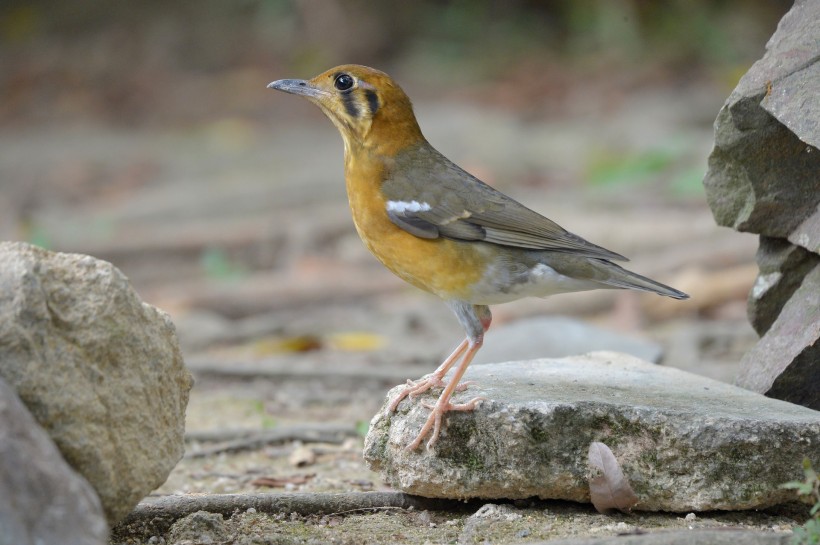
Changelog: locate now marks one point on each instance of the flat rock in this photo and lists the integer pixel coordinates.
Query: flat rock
(785, 363)
(51, 504)
(685, 443)
(557, 337)
(100, 370)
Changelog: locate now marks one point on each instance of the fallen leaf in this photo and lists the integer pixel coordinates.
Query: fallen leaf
(280, 482)
(608, 487)
(357, 341)
(297, 343)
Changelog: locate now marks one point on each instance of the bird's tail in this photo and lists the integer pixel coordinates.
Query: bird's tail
(622, 278)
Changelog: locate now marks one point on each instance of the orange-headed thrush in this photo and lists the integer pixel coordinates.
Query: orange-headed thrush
(441, 229)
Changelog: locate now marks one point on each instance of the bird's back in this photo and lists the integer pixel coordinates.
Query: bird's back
(446, 232)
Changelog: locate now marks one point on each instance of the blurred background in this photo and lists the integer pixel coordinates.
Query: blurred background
(142, 133)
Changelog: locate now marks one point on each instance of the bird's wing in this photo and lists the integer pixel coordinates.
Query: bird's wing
(430, 197)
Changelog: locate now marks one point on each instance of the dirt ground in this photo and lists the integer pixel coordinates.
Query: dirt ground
(239, 228)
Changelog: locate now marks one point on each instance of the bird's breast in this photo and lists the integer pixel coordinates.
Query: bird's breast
(444, 267)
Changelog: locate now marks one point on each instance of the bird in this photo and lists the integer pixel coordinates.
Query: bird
(443, 230)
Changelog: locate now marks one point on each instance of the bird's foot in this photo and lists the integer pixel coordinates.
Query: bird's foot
(434, 419)
(439, 383)
(415, 388)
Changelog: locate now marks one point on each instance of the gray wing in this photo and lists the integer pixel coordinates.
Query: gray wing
(430, 197)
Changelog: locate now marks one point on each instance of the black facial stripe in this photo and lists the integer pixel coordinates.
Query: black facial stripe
(372, 101)
(350, 105)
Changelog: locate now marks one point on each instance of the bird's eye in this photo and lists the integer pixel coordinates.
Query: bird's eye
(343, 82)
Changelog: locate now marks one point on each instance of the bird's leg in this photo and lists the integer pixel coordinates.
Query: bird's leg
(443, 404)
(476, 319)
(433, 380)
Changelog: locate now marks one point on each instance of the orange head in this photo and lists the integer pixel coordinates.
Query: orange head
(366, 105)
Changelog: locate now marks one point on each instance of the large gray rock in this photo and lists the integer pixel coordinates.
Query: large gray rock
(43, 500)
(99, 369)
(685, 443)
(764, 171)
(782, 269)
(764, 177)
(786, 362)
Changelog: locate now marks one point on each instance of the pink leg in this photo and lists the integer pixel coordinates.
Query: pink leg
(433, 380)
(476, 320)
(443, 404)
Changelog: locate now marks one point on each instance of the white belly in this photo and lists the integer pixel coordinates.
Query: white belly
(500, 285)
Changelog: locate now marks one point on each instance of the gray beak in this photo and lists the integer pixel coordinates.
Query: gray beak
(296, 87)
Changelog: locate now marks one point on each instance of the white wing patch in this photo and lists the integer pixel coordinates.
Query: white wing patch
(401, 207)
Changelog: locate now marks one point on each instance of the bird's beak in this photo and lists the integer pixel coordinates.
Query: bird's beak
(297, 87)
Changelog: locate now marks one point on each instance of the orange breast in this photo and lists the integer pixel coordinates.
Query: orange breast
(444, 267)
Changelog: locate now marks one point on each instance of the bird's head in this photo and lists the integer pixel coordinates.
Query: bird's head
(365, 104)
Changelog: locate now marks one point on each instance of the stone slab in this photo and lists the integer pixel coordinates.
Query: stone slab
(686, 443)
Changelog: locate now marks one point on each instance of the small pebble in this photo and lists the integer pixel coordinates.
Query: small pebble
(425, 518)
(302, 456)
(690, 517)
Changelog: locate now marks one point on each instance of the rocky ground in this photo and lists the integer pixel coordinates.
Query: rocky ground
(239, 229)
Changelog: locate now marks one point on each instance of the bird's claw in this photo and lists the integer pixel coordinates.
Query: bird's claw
(410, 387)
(427, 383)
(464, 385)
(468, 406)
(414, 388)
(434, 420)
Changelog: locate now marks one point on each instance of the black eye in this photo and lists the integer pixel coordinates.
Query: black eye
(343, 82)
